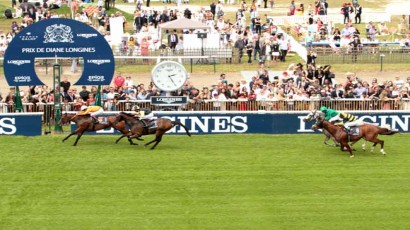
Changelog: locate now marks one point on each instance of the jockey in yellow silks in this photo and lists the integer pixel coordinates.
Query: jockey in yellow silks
(94, 111)
(348, 120)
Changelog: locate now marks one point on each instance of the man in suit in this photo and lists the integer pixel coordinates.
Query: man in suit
(358, 16)
(257, 46)
(230, 94)
(172, 40)
(70, 96)
(240, 45)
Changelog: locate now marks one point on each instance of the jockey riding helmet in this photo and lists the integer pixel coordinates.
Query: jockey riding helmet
(323, 109)
(84, 107)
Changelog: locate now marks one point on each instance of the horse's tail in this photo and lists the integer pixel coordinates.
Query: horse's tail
(386, 131)
(179, 123)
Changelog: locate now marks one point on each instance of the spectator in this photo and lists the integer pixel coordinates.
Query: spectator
(292, 8)
(144, 46)
(358, 16)
(398, 82)
(309, 39)
(172, 40)
(65, 84)
(284, 47)
(345, 11)
(240, 45)
(84, 93)
(336, 34)
(119, 80)
(355, 45)
(249, 51)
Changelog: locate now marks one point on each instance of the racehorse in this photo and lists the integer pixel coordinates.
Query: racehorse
(85, 124)
(315, 114)
(138, 128)
(368, 132)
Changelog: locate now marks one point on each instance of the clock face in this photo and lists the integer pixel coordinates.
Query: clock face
(169, 75)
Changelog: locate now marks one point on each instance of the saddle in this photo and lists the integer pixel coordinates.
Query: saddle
(95, 120)
(148, 123)
(354, 130)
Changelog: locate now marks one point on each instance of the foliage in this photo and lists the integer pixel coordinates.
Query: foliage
(202, 182)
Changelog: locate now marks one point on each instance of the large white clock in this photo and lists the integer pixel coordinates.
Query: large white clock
(169, 75)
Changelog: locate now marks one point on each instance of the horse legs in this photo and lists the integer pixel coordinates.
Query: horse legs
(364, 145)
(329, 136)
(68, 136)
(157, 139)
(378, 141)
(336, 143)
(78, 138)
(346, 145)
(129, 139)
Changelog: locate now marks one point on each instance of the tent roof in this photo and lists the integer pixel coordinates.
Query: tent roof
(183, 23)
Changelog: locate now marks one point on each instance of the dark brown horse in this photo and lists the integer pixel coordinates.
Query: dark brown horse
(138, 128)
(85, 124)
(368, 132)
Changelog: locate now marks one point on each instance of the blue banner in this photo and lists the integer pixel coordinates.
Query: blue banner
(24, 124)
(267, 123)
(58, 38)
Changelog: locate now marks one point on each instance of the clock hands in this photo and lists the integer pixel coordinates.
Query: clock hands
(170, 77)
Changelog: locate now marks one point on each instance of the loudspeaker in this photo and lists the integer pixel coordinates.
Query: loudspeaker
(202, 35)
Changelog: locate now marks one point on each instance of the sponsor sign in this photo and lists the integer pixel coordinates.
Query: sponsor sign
(169, 101)
(24, 124)
(58, 38)
(266, 123)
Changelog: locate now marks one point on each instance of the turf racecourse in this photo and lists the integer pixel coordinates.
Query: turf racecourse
(202, 182)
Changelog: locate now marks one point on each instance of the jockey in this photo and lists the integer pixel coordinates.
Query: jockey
(94, 111)
(146, 116)
(347, 119)
(329, 113)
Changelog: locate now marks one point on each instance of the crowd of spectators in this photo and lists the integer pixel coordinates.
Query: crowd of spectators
(298, 83)
(248, 27)
(315, 30)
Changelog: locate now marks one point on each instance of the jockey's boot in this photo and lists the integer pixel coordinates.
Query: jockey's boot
(347, 130)
(145, 122)
(95, 119)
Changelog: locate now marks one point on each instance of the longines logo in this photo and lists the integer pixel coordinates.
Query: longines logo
(58, 33)
(18, 62)
(176, 100)
(28, 37)
(99, 61)
(87, 35)
(169, 100)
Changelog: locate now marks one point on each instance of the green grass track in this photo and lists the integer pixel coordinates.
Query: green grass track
(202, 182)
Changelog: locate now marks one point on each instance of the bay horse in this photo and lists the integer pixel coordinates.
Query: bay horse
(368, 132)
(138, 128)
(85, 124)
(313, 115)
